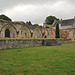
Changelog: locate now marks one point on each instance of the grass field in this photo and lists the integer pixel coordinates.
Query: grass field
(44, 60)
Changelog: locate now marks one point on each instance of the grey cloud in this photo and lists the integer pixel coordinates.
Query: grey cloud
(71, 1)
(4, 4)
(38, 15)
(11, 3)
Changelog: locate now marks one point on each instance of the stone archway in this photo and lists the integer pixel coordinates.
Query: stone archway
(46, 34)
(24, 32)
(37, 33)
(7, 33)
(71, 35)
(50, 33)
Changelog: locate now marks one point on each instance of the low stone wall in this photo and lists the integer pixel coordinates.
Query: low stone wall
(19, 43)
(63, 40)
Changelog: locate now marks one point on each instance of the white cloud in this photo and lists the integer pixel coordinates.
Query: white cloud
(37, 11)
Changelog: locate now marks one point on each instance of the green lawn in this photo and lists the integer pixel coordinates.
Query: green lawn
(45, 60)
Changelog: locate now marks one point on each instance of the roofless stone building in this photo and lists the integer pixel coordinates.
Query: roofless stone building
(9, 29)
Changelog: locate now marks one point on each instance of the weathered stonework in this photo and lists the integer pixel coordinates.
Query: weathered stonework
(12, 30)
(67, 28)
(18, 43)
(68, 33)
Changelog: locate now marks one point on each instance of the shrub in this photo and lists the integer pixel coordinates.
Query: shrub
(50, 27)
(40, 26)
(2, 20)
(36, 24)
(16, 22)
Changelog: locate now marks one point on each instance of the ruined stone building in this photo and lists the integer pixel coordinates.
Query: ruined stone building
(67, 28)
(15, 30)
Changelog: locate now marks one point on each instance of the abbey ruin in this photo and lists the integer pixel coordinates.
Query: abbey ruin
(10, 29)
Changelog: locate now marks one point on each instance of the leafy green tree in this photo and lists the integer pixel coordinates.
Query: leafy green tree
(57, 31)
(5, 17)
(50, 19)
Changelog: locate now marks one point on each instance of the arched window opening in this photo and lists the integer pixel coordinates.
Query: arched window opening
(25, 35)
(45, 36)
(7, 33)
(31, 35)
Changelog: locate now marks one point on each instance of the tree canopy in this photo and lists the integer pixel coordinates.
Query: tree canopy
(50, 19)
(5, 18)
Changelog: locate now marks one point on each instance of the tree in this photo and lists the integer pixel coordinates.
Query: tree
(57, 31)
(50, 19)
(29, 23)
(5, 18)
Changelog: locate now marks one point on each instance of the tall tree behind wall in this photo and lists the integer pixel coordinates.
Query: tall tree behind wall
(57, 31)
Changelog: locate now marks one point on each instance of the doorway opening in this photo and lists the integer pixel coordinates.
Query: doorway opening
(7, 33)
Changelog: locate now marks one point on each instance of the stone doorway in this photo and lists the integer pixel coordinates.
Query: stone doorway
(7, 33)
(45, 37)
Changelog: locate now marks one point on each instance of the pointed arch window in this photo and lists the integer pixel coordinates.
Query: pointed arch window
(7, 33)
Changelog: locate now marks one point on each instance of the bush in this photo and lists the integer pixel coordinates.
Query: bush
(2, 20)
(16, 22)
(50, 27)
(40, 26)
(36, 24)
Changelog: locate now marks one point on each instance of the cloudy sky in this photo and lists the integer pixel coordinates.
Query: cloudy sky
(37, 10)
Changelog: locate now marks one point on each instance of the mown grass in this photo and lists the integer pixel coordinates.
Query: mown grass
(45, 60)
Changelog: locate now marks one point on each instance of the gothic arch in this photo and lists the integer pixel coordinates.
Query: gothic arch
(8, 25)
(50, 33)
(37, 33)
(71, 36)
(8, 31)
(24, 32)
(46, 34)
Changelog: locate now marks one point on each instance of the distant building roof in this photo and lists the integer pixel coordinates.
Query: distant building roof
(67, 22)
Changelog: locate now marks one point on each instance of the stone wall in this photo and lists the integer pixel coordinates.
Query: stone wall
(12, 30)
(63, 40)
(68, 34)
(18, 43)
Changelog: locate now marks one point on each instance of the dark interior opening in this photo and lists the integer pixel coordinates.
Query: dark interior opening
(25, 35)
(31, 35)
(45, 36)
(7, 33)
